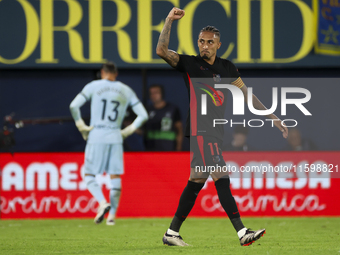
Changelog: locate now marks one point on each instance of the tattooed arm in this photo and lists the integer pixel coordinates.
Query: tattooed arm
(170, 56)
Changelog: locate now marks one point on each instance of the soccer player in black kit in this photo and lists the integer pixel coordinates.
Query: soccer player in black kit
(206, 143)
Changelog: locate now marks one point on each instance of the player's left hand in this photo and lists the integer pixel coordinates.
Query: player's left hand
(129, 130)
(83, 128)
(282, 128)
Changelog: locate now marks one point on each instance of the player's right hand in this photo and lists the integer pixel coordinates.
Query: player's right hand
(83, 128)
(176, 13)
(282, 128)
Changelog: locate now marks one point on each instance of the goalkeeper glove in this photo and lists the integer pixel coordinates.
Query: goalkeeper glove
(128, 130)
(83, 128)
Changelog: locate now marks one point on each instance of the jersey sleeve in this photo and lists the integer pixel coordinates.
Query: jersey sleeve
(75, 105)
(235, 75)
(233, 71)
(133, 99)
(142, 115)
(184, 61)
(87, 91)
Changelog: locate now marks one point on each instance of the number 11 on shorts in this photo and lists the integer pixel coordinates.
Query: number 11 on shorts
(212, 149)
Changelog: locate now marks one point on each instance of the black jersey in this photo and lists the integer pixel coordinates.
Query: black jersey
(194, 67)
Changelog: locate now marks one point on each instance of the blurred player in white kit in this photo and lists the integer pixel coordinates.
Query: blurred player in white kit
(104, 150)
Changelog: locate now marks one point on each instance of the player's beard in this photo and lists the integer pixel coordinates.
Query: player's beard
(205, 57)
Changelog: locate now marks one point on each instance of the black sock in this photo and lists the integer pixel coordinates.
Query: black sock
(186, 202)
(176, 224)
(237, 223)
(228, 202)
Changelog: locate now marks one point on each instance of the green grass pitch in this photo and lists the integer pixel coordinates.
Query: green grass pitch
(144, 236)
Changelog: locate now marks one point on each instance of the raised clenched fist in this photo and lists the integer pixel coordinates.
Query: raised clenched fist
(176, 13)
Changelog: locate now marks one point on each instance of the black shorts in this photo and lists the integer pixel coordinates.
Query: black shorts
(206, 151)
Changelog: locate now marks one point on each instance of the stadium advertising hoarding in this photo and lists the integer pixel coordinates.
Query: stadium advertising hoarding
(84, 33)
(49, 185)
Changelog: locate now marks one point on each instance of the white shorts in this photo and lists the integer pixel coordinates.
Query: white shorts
(100, 158)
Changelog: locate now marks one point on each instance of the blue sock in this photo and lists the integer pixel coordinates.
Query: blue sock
(94, 188)
(116, 186)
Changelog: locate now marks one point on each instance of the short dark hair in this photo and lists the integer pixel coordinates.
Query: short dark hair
(109, 67)
(211, 29)
(158, 86)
